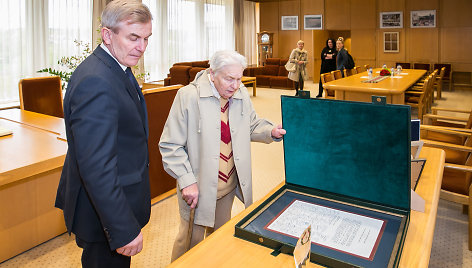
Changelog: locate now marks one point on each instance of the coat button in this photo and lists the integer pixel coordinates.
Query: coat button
(244, 184)
(237, 158)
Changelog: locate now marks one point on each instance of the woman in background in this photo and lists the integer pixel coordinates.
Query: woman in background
(341, 58)
(299, 56)
(328, 61)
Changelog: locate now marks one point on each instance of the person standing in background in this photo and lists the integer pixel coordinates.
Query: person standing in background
(341, 58)
(299, 56)
(328, 61)
(104, 187)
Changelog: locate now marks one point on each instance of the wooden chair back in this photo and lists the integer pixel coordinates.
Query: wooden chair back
(366, 67)
(457, 175)
(422, 66)
(325, 78)
(337, 74)
(447, 72)
(158, 102)
(358, 69)
(404, 65)
(418, 99)
(349, 72)
(41, 95)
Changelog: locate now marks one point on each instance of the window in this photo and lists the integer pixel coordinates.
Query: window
(188, 30)
(35, 34)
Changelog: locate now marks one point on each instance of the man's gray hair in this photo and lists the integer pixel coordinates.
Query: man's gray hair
(121, 10)
(226, 57)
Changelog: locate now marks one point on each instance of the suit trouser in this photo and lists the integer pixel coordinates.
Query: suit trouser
(199, 232)
(99, 255)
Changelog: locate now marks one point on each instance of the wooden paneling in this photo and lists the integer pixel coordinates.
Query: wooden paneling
(423, 45)
(453, 41)
(455, 13)
(338, 15)
(449, 42)
(363, 14)
(389, 5)
(363, 45)
(422, 4)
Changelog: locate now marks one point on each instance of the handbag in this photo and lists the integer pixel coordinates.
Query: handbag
(290, 66)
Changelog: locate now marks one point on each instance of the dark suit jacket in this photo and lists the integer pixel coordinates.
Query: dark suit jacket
(104, 186)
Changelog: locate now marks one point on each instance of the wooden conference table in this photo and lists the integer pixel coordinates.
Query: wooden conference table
(351, 88)
(222, 249)
(31, 161)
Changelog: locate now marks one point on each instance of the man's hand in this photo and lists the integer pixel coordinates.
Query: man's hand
(190, 195)
(300, 62)
(133, 247)
(278, 132)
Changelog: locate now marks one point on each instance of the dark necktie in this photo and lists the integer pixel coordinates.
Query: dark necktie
(131, 78)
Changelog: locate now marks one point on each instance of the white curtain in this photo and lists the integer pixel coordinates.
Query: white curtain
(246, 25)
(35, 34)
(187, 30)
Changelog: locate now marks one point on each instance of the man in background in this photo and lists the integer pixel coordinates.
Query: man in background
(104, 188)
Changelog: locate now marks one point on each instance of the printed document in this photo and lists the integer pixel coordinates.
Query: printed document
(340, 230)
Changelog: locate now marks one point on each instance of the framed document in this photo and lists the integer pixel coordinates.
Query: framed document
(289, 23)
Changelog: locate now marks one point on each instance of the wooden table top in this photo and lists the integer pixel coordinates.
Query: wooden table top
(31, 149)
(222, 249)
(396, 85)
(45, 122)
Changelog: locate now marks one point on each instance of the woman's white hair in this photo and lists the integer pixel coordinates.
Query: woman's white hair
(224, 58)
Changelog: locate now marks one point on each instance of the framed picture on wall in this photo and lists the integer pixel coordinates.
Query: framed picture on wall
(313, 22)
(391, 19)
(289, 22)
(391, 43)
(423, 19)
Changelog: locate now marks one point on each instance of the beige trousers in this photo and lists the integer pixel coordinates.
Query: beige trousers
(199, 232)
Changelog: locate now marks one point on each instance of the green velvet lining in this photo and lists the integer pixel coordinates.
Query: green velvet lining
(357, 149)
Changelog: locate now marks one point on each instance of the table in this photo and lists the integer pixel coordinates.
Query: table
(351, 88)
(31, 162)
(247, 81)
(222, 249)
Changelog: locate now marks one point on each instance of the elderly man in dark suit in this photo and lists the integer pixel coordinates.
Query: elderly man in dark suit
(104, 188)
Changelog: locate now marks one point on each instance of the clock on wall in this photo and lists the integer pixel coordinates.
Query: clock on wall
(264, 46)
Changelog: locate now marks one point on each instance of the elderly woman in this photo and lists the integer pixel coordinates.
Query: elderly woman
(299, 56)
(341, 59)
(206, 146)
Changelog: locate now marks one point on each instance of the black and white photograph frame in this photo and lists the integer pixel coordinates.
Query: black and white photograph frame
(391, 42)
(391, 19)
(289, 22)
(313, 22)
(423, 19)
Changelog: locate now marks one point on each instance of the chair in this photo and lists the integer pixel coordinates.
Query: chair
(438, 83)
(349, 72)
(418, 98)
(325, 78)
(404, 65)
(422, 66)
(41, 95)
(366, 67)
(456, 181)
(464, 123)
(337, 74)
(159, 101)
(358, 69)
(447, 72)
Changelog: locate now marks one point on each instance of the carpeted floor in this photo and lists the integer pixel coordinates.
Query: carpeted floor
(449, 244)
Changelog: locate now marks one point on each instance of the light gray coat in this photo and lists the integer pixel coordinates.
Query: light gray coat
(296, 56)
(190, 144)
